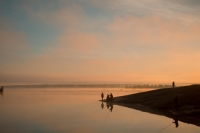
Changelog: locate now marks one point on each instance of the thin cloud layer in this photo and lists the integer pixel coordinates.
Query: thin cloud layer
(11, 40)
(100, 41)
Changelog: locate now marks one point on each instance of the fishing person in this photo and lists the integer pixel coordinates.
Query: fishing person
(173, 84)
(111, 96)
(102, 96)
(107, 98)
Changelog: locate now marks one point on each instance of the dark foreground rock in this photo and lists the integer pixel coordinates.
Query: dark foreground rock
(162, 102)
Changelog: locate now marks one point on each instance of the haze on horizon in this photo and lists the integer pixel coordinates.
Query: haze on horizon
(107, 41)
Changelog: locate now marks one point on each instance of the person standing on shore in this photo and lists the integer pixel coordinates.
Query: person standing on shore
(173, 84)
(102, 95)
(107, 98)
(111, 96)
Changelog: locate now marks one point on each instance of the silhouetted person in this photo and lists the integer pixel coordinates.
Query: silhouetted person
(102, 95)
(111, 96)
(176, 101)
(173, 84)
(176, 121)
(107, 98)
(102, 105)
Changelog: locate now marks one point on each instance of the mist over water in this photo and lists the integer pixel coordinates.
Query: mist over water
(99, 85)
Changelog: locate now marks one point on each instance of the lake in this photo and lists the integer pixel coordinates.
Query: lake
(77, 110)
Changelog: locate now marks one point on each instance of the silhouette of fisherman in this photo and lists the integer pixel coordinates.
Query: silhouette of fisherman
(102, 105)
(107, 98)
(173, 84)
(102, 95)
(176, 121)
(111, 96)
(176, 101)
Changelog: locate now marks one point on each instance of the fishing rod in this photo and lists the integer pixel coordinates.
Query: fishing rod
(106, 117)
(165, 127)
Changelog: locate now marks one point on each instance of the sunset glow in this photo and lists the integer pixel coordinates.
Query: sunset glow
(99, 41)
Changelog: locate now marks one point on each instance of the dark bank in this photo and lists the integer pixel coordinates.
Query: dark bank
(180, 103)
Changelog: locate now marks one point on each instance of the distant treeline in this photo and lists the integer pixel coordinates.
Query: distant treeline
(69, 86)
(88, 86)
(148, 86)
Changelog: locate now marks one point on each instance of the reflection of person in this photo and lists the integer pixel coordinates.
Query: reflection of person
(102, 95)
(1, 90)
(107, 104)
(173, 84)
(111, 107)
(176, 121)
(102, 105)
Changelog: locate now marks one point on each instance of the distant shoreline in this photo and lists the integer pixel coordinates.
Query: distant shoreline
(91, 86)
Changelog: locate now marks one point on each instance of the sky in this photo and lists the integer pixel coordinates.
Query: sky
(99, 41)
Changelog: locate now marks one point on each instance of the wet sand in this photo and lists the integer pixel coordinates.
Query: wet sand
(162, 102)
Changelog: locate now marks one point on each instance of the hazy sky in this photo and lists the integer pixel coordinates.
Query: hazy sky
(104, 41)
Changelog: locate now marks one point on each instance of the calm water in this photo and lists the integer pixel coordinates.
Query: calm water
(62, 110)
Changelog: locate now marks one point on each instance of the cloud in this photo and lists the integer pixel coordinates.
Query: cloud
(135, 49)
(13, 50)
(78, 41)
(188, 3)
(162, 8)
(11, 41)
(135, 41)
(131, 30)
(63, 17)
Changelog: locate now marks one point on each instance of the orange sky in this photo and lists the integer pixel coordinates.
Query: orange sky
(99, 41)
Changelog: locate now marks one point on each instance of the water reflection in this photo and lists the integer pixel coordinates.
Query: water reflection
(102, 105)
(1, 93)
(109, 106)
(58, 110)
(176, 121)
